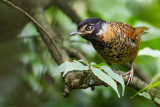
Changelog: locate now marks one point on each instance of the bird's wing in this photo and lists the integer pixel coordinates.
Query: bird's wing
(131, 32)
(121, 31)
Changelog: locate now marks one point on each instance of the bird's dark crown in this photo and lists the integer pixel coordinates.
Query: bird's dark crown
(92, 20)
(91, 28)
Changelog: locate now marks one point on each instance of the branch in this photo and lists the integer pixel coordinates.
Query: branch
(86, 79)
(38, 14)
(42, 30)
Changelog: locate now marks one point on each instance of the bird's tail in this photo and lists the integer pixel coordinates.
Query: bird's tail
(140, 30)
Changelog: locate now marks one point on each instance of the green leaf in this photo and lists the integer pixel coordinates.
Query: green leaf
(70, 66)
(155, 78)
(103, 64)
(149, 52)
(146, 95)
(104, 77)
(83, 62)
(157, 100)
(93, 64)
(154, 85)
(147, 87)
(99, 65)
(115, 76)
(139, 92)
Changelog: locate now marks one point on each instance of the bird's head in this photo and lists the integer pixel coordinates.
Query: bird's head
(90, 28)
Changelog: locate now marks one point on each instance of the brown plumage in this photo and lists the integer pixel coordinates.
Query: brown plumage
(116, 42)
(119, 44)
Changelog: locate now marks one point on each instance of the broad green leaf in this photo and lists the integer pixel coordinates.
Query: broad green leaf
(146, 95)
(70, 66)
(157, 100)
(115, 76)
(149, 52)
(104, 77)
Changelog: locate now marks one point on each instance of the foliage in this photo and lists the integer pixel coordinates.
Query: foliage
(70, 66)
(146, 95)
(151, 85)
(155, 80)
(115, 76)
(103, 72)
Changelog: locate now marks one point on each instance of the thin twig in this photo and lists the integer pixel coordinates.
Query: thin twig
(35, 22)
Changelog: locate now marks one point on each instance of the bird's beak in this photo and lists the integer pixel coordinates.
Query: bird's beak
(75, 32)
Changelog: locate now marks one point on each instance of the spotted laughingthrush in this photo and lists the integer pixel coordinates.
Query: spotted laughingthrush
(116, 42)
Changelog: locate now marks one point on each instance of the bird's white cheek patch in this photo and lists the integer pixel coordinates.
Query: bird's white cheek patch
(103, 30)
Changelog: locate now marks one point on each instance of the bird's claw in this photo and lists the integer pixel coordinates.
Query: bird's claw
(130, 76)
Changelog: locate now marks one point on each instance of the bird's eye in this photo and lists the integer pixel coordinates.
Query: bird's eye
(89, 28)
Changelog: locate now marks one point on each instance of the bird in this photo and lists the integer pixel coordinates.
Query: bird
(116, 42)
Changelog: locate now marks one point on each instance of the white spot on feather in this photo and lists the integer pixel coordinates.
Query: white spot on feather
(103, 29)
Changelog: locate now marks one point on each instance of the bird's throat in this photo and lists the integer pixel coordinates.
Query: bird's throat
(91, 37)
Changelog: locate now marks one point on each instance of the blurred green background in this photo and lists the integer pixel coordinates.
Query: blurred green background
(26, 67)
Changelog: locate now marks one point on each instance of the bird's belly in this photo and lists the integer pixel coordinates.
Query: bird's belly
(117, 53)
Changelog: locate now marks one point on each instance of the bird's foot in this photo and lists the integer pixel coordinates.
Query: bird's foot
(130, 75)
